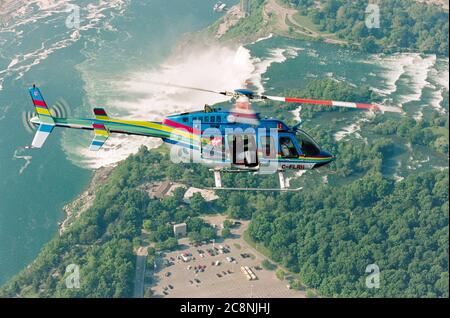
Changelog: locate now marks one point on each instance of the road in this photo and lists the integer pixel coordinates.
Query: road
(141, 261)
(283, 13)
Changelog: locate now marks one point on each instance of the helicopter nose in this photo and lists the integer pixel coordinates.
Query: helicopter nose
(326, 154)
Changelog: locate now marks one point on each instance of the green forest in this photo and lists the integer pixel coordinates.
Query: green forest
(400, 26)
(403, 24)
(329, 237)
(325, 234)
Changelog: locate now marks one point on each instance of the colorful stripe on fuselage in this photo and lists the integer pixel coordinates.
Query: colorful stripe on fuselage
(170, 132)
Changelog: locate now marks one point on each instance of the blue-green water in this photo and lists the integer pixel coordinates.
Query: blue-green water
(37, 47)
(121, 49)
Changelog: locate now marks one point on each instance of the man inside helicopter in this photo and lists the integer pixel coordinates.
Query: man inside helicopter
(308, 146)
(287, 148)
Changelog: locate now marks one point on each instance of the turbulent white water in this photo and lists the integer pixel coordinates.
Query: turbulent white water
(394, 67)
(278, 55)
(415, 72)
(24, 13)
(26, 158)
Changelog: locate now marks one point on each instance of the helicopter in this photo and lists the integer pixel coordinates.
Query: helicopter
(228, 141)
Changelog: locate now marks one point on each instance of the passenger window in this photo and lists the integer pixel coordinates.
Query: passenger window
(218, 119)
(287, 148)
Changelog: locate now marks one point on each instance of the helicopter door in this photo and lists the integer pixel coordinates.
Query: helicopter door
(287, 147)
(268, 147)
(212, 148)
(243, 150)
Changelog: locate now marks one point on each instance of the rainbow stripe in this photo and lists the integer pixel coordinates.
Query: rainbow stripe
(101, 135)
(40, 106)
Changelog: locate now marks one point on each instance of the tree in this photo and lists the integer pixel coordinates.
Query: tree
(280, 274)
(151, 250)
(147, 225)
(226, 232)
(266, 264)
(194, 237)
(370, 45)
(197, 203)
(310, 294)
(296, 284)
(227, 224)
(169, 244)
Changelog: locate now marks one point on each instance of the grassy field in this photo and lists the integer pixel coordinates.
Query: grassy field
(307, 23)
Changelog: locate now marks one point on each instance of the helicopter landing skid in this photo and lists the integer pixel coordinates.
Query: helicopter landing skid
(257, 189)
(218, 183)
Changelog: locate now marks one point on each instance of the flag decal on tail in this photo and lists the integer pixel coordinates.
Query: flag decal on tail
(101, 135)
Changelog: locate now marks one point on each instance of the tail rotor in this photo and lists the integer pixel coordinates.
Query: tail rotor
(60, 109)
(26, 121)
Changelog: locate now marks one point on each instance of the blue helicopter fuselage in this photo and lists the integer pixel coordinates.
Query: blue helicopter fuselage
(271, 141)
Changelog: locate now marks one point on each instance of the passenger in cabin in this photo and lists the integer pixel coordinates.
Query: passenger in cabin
(287, 147)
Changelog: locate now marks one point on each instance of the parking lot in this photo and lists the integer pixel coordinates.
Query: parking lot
(218, 273)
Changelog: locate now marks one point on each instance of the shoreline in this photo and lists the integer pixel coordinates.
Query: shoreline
(83, 201)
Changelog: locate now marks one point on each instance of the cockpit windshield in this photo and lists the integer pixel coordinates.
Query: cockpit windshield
(308, 145)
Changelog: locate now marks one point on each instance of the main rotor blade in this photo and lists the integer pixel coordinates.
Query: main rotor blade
(190, 87)
(377, 107)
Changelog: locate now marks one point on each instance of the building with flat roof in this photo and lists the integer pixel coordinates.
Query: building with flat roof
(208, 195)
(180, 230)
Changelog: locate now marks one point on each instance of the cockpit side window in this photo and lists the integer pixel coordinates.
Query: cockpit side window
(307, 144)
